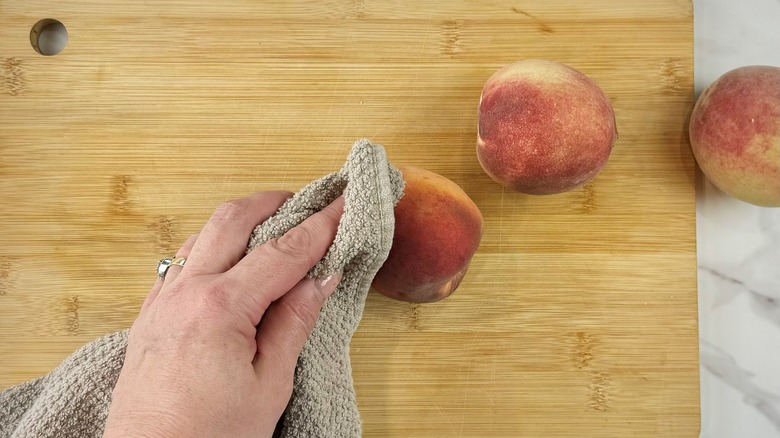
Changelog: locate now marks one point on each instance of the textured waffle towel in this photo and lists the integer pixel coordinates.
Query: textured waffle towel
(73, 399)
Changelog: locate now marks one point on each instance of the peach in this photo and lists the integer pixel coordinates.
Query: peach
(544, 127)
(735, 134)
(437, 231)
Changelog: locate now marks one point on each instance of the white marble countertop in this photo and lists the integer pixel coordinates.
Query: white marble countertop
(739, 248)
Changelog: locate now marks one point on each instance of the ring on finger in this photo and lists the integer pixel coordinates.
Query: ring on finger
(164, 264)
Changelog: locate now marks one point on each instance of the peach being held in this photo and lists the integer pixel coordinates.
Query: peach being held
(735, 134)
(437, 231)
(544, 127)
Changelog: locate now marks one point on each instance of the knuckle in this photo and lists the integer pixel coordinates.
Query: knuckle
(295, 244)
(210, 299)
(302, 316)
(187, 246)
(331, 214)
(229, 210)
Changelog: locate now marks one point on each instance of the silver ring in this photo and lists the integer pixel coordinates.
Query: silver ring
(164, 264)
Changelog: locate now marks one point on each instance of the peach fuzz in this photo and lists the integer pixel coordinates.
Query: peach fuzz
(735, 134)
(543, 127)
(438, 229)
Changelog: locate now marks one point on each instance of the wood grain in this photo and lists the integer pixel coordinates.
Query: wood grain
(578, 316)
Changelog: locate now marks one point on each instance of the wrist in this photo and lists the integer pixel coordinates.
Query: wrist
(143, 424)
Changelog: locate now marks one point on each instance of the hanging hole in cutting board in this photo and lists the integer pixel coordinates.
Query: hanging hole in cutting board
(48, 37)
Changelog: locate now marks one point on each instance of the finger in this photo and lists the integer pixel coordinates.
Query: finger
(158, 284)
(224, 238)
(287, 324)
(171, 273)
(184, 251)
(274, 267)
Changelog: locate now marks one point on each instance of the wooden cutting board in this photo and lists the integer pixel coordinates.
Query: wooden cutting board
(578, 316)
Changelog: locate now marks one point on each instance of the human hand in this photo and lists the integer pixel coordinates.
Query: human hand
(199, 360)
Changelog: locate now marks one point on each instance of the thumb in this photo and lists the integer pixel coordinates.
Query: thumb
(286, 325)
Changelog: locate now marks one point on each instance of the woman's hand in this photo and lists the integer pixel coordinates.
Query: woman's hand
(199, 360)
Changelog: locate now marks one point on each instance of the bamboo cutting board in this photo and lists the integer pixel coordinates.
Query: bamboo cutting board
(578, 316)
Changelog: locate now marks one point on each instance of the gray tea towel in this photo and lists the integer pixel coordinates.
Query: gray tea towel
(73, 400)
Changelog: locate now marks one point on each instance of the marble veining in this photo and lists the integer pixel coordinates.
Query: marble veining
(725, 368)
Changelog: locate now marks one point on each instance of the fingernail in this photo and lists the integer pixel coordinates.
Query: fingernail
(328, 283)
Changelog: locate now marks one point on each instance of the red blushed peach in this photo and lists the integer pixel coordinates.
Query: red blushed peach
(437, 231)
(735, 134)
(544, 127)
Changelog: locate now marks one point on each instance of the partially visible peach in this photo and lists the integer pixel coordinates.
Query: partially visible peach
(735, 134)
(544, 127)
(437, 231)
